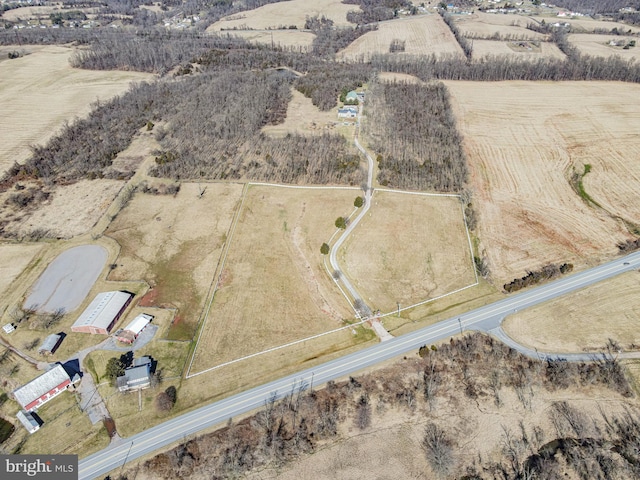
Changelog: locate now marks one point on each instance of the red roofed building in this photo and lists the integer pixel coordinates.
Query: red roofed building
(43, 388)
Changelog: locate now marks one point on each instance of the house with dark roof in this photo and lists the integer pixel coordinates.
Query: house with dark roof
(136, 377)
(42, 388)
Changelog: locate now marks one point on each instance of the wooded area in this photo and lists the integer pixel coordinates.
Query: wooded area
(470, 368)
(414, 132)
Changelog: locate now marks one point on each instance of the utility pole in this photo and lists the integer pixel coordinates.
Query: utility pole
(460, 323)
(398, 303)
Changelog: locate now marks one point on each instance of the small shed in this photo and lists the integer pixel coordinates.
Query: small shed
(28, 421)
(8, 328)
(50, 344)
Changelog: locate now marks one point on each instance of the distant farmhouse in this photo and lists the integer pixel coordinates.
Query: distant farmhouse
(43, 388)
(129, 333)
(348, 112)
(102, 313)
(136, 377)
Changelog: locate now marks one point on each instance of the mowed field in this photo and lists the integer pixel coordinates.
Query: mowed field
(285, 14)
(14, 258)
(584, 320)
(423, 35)
(598, 45)
(303, 117)
(40, 91)
(483, 48)
(174, 244)
(523, 141)
(411, 248)
(274, 288)
(485, 25)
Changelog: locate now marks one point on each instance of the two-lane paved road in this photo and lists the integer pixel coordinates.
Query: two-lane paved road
(485, 318)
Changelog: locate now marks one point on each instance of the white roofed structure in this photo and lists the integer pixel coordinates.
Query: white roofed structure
(43, 388)
(28, 421)
(102, 313)
(129, 333)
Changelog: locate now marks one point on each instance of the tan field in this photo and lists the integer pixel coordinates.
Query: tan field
(484, 25)
(519, 50)
(285, 14)
(281, 292)
(523, 141)
(599, 45)
(584, 320)
(174, 243)
(585, 24)
(40, 91)
(14, 259)
(411, 248)
(279, 38)
(391, 77)
(423, 35)
(25, 13)
(303, 117)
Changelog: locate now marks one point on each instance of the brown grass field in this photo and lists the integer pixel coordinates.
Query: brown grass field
(285, 14)
(304, 117)
(411, 248)
(14, 258)
(598, 45)
(483, 48)
(174, 243)
(523, 141)
(423, 35)
(584, 320)
(281, 38)
(484, 25)
(281, 292)
(40, 91)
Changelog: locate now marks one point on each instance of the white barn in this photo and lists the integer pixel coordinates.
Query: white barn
(129, 333)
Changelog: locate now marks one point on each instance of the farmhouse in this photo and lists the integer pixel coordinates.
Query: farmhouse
(136, 377)
(347, 112)
(129, 333)
(102, 313)
(28, 421)
(50, 344)
(43, 388)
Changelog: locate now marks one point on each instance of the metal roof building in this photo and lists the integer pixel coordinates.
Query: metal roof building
(43, 388)
(129, 333)
(102, 313)
(136, 377)
(30, 423)
(50, 344)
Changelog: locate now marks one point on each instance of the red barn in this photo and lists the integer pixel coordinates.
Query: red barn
(43, 388)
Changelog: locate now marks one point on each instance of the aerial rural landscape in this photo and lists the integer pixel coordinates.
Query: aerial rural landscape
(334, 239)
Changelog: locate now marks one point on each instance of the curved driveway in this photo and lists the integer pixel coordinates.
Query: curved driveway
(486, 318)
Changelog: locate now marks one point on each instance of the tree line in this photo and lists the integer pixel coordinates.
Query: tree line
(547, 272)
(414, 131)
(473, 369)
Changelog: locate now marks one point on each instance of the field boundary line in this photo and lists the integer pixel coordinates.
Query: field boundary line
(425, 194)
(222, 262)
(310, 187)
(466, 227)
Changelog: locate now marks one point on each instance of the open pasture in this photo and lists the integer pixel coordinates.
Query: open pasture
(411, 248)
(285, 14)
(584, 320)
(303, 117)
(40, 91)
(486, 25)
(14, 258)
(601, 45)
(423, 35)
(523, 50)
(524, 140)
(274, 288)
(174, 244)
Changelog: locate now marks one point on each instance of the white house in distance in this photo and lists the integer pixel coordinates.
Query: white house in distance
(43, 388)
(348, 112)
(129, 333)
(102, 313)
